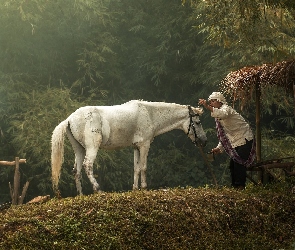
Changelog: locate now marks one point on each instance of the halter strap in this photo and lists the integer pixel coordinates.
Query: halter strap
(192, 125)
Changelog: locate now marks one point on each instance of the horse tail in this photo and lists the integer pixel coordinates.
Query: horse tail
(57, 152)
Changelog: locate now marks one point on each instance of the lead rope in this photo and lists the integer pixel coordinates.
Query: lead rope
(196, 143)
(208, 165)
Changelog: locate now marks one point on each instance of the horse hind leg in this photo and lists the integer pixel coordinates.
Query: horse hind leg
(88, 166)
(79, 157)
(77, 171)
(84, 159)
(92, 146)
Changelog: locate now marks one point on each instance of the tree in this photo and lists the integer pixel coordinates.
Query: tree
(262, 30)
(59, 55)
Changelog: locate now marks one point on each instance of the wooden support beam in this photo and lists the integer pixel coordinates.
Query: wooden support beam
(12, 163)
(271, 164)
(264, 169)
(278, 165)
(251, 179)
(288, 173)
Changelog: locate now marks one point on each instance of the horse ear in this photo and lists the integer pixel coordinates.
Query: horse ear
(191, 111)
(198, 110)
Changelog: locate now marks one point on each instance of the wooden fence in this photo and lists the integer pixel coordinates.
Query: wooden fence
(16, 198)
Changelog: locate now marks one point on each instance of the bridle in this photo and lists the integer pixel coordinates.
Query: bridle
(192, 125)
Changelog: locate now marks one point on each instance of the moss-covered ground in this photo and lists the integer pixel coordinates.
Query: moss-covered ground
(178, 218)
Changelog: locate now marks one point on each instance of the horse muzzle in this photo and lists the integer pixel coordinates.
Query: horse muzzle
(203, 143)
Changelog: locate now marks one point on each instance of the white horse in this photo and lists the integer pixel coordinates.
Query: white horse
(135, 123)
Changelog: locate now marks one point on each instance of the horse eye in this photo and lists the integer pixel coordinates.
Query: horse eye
(198, 122)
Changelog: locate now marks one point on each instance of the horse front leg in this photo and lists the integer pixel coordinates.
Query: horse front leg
(136, 168)
(143, 175)
(143, 160)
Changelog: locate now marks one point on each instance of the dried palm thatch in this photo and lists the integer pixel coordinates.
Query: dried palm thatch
(241, 84)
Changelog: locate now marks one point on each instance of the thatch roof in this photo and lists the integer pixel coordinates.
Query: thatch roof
(240, 84)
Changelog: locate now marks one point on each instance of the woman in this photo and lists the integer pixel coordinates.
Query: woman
(235, 137)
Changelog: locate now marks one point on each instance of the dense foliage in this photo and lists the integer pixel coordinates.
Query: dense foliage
(59, 55)
(178, 218)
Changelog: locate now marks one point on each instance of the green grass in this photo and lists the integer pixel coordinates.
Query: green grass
(178, 218)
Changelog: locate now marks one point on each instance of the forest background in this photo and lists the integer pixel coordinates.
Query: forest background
(59, 55)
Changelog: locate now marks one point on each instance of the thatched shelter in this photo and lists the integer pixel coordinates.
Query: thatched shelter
(249, 82)
(242, 84)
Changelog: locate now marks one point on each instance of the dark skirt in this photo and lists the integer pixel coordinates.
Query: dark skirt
(238, 171)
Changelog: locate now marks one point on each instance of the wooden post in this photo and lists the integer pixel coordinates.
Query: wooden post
(261, 175)
(25, 188)
(16, 183)
(258, 125)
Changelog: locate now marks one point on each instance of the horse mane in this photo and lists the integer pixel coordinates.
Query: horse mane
(199, 110)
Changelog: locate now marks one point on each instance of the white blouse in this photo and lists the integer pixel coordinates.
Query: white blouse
(234, 125)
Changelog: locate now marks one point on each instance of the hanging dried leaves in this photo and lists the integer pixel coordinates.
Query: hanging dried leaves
(240, 84)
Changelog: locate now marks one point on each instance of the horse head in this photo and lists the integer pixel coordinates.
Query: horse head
(195, 129)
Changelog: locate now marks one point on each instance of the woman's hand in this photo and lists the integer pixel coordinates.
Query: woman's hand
(205, 104)
(216, 150)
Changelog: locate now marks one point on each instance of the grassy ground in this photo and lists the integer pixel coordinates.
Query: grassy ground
(179, 218)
